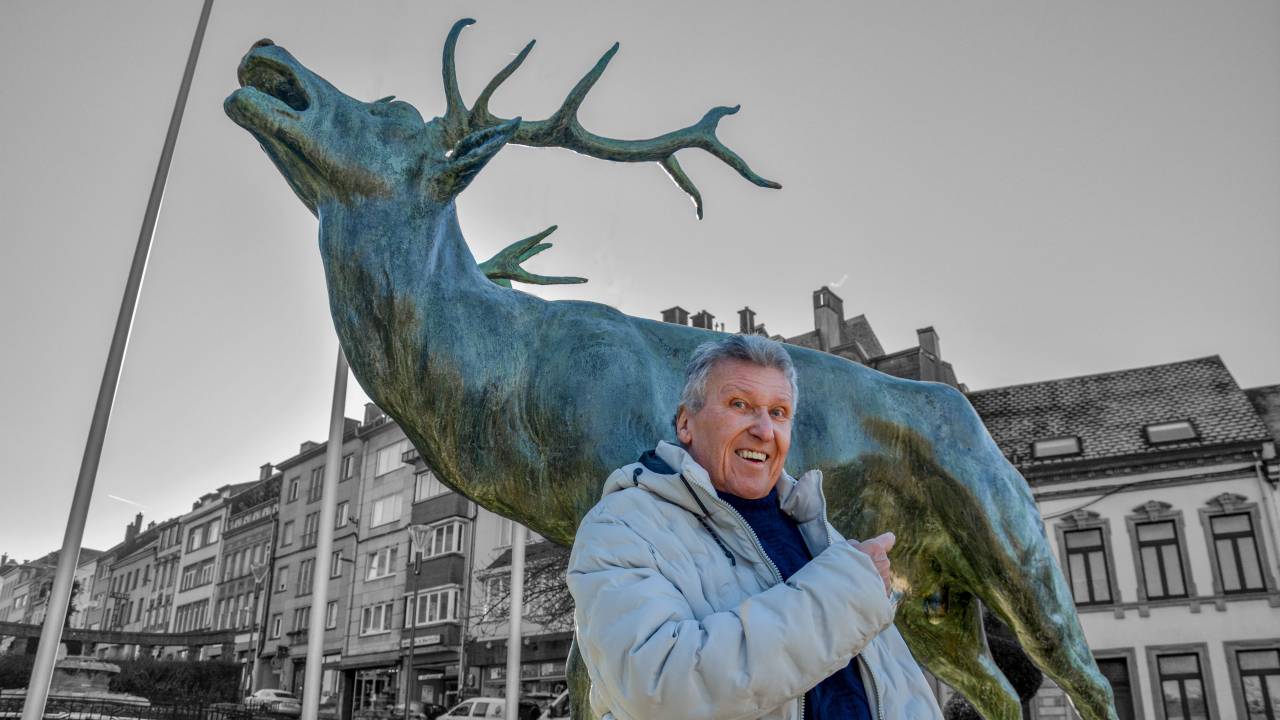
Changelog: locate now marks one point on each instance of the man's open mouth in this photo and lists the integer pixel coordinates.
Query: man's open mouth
(275, 79)
(752, 455)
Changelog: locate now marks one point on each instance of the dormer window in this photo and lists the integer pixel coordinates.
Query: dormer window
(1171, 432)
(1055, 447)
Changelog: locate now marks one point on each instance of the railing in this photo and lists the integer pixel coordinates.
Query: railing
(59, 709)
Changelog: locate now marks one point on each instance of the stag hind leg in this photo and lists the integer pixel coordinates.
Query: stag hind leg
(947, 636)
(1036, 604)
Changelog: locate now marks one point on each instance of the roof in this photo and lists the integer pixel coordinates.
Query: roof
(853, 330)
(533, 552)
(1108, 411)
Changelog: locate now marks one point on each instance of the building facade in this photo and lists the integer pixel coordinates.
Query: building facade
(288, 604)
(1157, 490)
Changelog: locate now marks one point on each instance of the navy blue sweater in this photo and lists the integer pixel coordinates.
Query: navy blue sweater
(841, 696)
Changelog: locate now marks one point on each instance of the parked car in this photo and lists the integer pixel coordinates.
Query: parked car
(270, 700)
(489, 707)
(558, 709)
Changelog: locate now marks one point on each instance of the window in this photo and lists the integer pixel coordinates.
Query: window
(1182, 687)
(1161, 560)
(310, 530)
(335, 564)
(202, 535)
(331, 615)
(342, 515)
(1087, 566)
(277, 621)
(306, 574)
(497, 596)
(348, 467)
(1170, 432)
(316, 488)
(286, 534)
(282, 579)
(443, 538)
(385, 510)
(301, 618)
(1236, 550)
(432, 606)
(1260, 683)
(1055, 447)
(427, 485)
(197, 574)
(293, 489)
(388, 458)
(376, 618)
(505, 528)
(381, 563)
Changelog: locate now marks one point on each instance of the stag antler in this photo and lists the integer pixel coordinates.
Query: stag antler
(563, 130)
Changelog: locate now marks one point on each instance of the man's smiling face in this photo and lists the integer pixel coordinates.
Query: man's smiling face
(742, 433)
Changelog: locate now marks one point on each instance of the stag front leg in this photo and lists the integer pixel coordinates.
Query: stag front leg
(951, 642)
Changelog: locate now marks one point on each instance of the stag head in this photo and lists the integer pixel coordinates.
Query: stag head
(332, 147)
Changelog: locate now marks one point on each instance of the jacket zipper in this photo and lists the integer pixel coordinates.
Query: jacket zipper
(777, 574)
(875, 686)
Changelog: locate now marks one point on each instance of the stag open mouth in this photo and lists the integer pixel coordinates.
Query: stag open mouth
(275, 79)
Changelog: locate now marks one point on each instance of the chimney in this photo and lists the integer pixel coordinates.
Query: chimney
(828, 318)
(930, 354)
(746, 321)
(675, 315)
(371, 413)
(265, 471)
(131, 530)
(704, 320)
(306, 445)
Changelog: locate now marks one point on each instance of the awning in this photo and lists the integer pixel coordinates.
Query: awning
(382, 659)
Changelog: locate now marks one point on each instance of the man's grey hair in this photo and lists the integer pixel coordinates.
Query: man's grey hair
(754, 349)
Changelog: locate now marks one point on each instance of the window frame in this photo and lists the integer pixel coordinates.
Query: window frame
(392, 553)
(1037, 455)
(432, 482)
(1201, 650)
(1233, 504)
(1084, 520)
(1230, 648)
(397, 463)
(331, 615)
(277, 625)
(388, 609)
(1157, 511)
(1146, 432)
(396, 500)
(413, 604)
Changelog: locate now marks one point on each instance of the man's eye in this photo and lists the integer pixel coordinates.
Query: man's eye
(738, 404)
(778, 413)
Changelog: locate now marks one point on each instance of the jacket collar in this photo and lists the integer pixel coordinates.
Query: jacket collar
(802, 499)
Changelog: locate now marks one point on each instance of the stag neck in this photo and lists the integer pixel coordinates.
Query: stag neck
(408, 248)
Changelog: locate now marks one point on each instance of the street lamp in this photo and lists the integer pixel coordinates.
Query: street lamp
(260, 572)
(417, 546)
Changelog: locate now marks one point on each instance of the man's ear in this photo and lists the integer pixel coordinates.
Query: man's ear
(468, 158)
(683, 433)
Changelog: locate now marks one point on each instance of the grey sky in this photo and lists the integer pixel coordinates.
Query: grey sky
(1058, 188)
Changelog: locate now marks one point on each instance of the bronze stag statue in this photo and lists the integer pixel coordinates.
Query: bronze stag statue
(526, 405)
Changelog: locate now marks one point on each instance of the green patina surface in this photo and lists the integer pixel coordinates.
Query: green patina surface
(526, 405)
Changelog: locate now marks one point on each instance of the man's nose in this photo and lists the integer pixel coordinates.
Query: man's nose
(762, 425)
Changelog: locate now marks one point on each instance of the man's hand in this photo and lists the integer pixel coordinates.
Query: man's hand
(878, 549)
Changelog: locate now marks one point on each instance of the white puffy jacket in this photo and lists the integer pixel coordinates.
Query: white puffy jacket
(671, 627)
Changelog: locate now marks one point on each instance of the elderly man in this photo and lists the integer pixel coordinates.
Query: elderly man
(709, 583)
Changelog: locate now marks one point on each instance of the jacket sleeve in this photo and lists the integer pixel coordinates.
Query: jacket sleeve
(654, 659)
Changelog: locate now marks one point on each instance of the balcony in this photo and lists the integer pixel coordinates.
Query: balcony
(448, 505)
(411, 456)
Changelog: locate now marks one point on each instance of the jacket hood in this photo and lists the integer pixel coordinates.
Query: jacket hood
(660, 470)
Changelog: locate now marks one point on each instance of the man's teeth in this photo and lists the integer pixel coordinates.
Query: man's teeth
(752, 455)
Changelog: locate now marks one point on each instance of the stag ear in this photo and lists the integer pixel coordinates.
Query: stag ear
(468, 157)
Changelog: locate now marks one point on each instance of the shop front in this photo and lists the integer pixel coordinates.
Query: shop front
(542, 664)
(376, 684)
(434, 680)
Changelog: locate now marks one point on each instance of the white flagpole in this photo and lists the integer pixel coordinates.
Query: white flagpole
(518, 534)
(60, 596)
(324, 544)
